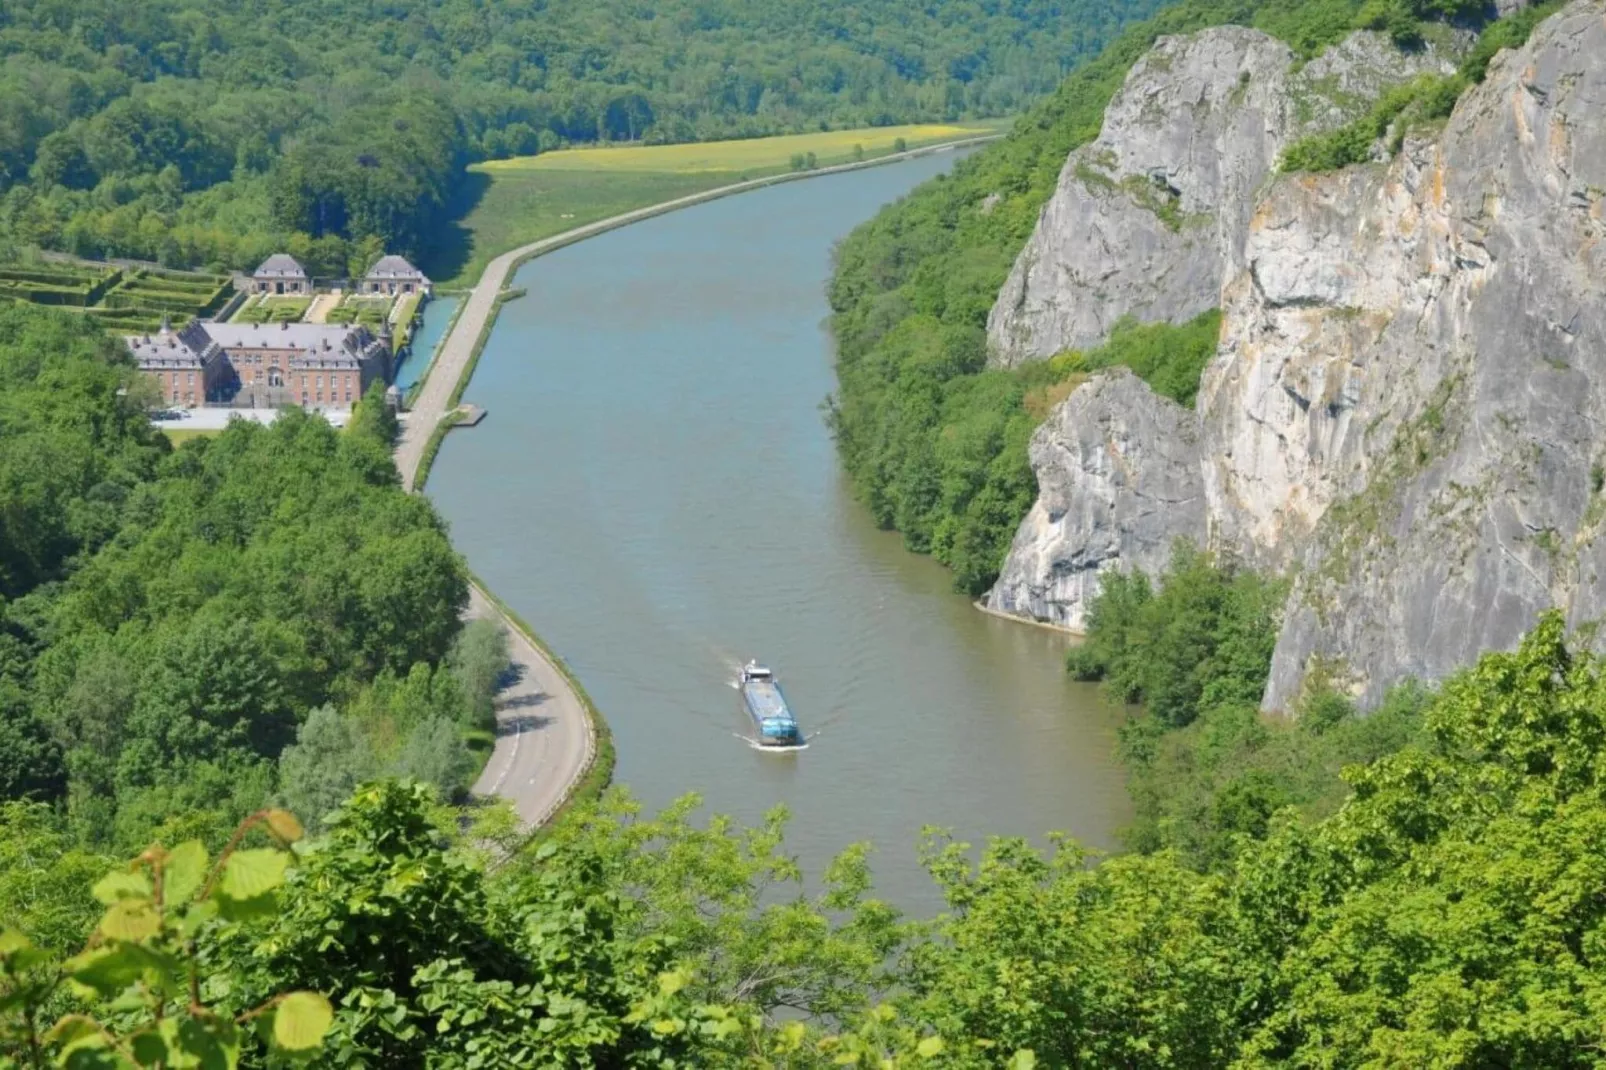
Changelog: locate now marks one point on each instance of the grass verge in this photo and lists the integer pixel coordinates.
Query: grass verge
(433, 446)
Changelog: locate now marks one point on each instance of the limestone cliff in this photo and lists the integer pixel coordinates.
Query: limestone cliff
(1406, 406)
(1148, 219)
(1119, 481)
(1413, 368)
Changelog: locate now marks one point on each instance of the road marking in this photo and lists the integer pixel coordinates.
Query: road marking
(512, 760)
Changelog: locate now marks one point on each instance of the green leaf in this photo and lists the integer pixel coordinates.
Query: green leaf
(18, 954)
(209, 1043)
(122, 884)
(301, 1020)
(1025, 1059)
(132, 920)
(929, 1048)
(183, 872)
(75, 1031)
(250, 874)
(195, 915)
(150, 1049)
(109, 971)
(238, 910)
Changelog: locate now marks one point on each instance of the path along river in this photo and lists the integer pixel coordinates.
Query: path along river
(654, 490)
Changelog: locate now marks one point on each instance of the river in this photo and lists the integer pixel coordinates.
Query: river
(433, 321)
(654, 491)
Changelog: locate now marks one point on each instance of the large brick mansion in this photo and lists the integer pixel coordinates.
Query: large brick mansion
(315, 365)
(266, 365)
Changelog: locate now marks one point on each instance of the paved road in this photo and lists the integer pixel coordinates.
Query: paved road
(544, 742)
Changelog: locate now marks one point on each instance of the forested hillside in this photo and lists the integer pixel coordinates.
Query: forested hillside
(200, 132)
(1450, 914)
(193, 633)
(936, 442)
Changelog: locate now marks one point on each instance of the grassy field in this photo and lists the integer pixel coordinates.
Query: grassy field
(513, 202)
(179, 436)
(755, 154)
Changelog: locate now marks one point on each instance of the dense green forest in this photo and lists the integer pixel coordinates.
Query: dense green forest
(934, 441)
(194, 632)
(1449, 913)
(207, 133)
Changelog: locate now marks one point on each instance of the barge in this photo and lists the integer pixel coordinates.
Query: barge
(773, 719)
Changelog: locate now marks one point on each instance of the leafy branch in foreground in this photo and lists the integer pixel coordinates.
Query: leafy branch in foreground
(143, 974)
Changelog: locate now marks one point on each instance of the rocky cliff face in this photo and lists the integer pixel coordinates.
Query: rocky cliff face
(1413, 368)
(1405, 410)
(1149, 219)
(1119, 481)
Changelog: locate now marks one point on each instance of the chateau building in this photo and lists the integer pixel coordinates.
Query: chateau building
(394, 275)
(280, 273)
(315, 365)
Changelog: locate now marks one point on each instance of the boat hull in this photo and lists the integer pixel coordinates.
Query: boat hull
(772, 717)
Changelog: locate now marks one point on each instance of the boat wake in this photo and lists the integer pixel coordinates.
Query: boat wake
(771, 748)
(754, 744)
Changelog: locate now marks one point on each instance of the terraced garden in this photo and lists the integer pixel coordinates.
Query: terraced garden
(125, 300)
(272, 308)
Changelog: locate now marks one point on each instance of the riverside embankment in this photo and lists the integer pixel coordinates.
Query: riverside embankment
(655, 490)
(547, 738)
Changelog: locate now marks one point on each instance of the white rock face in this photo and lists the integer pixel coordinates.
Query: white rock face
(1453, 310)
(1405, 409)
(1119, 482)
(1148, 220)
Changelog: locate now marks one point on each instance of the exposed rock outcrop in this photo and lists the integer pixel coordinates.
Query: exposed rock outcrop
(1406, 409)
(1414, 368)
(1148, 220)
(1118, 475)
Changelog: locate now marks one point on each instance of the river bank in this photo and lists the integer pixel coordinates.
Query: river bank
(457, 354)
(553, 770)
(668, 502)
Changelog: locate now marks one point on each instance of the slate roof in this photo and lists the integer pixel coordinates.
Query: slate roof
(321, 345)
(394, 267)
(169, 349)
(280, 266)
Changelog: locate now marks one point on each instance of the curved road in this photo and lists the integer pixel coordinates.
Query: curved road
(545, 742)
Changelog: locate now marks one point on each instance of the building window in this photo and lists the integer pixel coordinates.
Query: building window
(303, 397)
(189, 378)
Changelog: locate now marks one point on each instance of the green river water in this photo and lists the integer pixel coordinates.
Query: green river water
(654, 490)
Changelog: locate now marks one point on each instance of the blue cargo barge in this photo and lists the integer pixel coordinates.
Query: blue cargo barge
(767, 706)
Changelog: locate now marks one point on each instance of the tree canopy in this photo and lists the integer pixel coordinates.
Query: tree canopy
(1449, 913)
(204, 132)
(170, 620)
